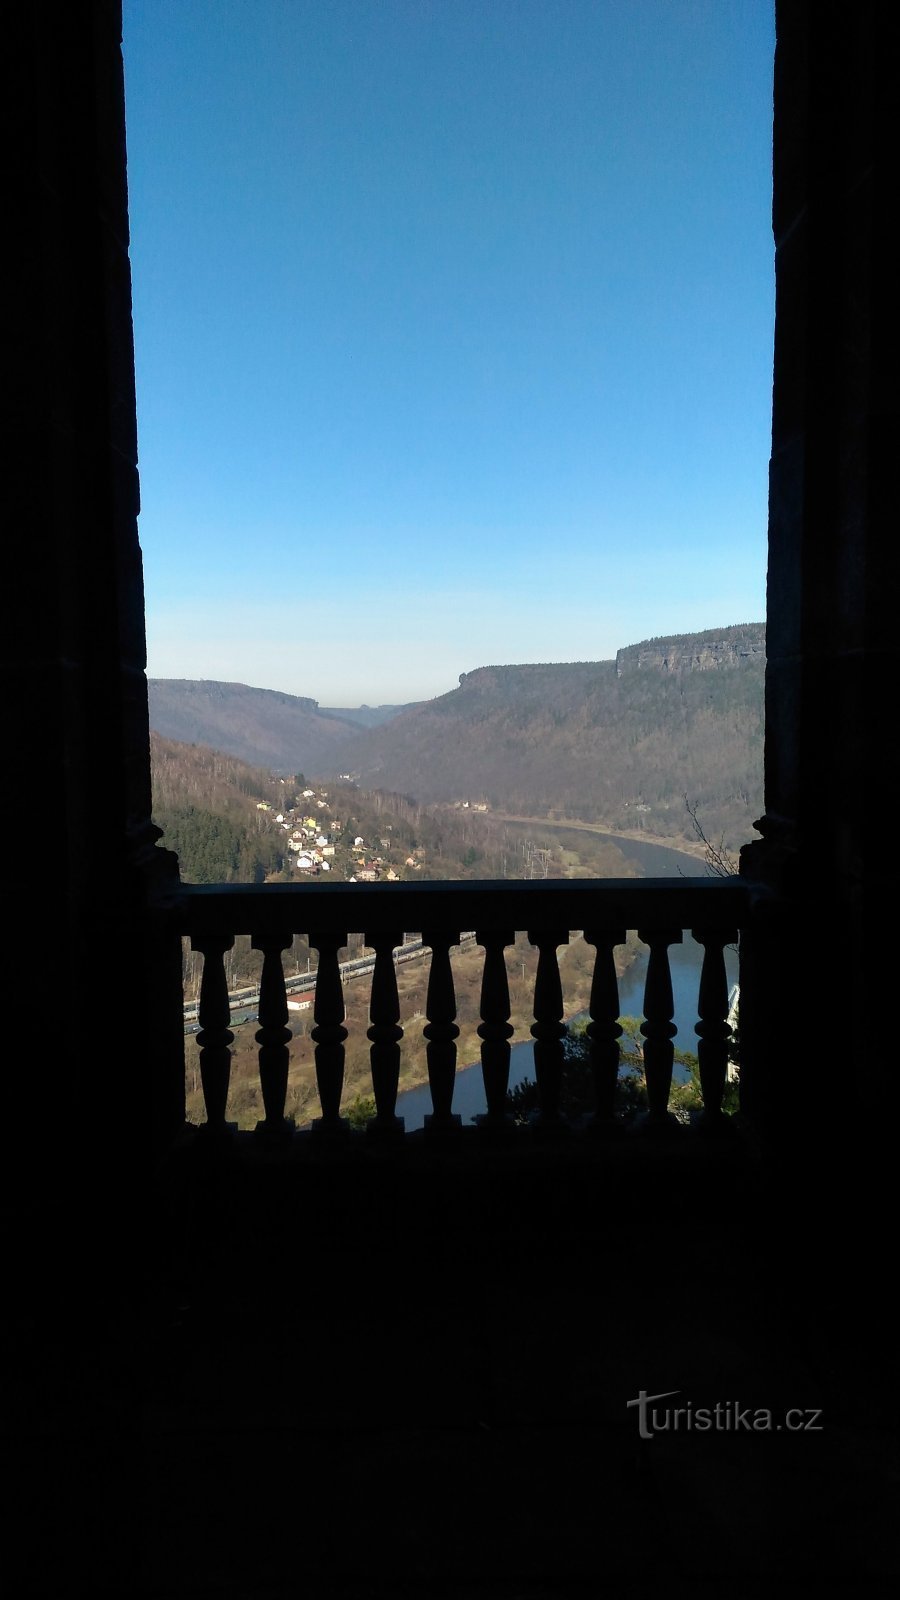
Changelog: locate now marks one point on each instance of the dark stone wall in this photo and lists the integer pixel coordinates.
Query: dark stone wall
(816, 1082)
(87, 888)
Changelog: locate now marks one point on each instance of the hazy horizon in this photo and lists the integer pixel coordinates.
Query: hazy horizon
(355, 704)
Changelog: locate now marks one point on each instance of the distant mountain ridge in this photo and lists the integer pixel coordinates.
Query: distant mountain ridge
(368, 716)
(283, 732)
(618, 742)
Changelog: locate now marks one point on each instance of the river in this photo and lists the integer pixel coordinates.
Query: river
(653, 861)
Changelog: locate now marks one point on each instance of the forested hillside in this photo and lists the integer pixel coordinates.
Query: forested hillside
(282, 732)
(588, 741)
(616, 742)
(231, 823)
(206, 804)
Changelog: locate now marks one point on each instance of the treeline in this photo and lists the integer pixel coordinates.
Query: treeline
(213, 847)
(206, 804)
(442, 843)
(578, 741)
(196, 772)
(458, 843)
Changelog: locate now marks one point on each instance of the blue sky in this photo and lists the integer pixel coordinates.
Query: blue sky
(453, 327)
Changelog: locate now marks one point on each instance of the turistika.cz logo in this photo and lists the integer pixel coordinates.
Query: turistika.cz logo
(727, 1416)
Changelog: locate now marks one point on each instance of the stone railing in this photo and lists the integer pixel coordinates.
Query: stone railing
(658, 909)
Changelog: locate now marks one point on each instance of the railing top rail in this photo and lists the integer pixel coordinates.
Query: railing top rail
(491, 904)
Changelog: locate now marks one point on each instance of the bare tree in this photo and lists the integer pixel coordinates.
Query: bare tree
(719, 863)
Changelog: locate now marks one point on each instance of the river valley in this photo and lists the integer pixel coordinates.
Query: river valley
(652, 861)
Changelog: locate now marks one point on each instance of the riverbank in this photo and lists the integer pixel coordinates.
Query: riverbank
(687, 847)
(685, 962)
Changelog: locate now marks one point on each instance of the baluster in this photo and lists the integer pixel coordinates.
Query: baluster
(273, 1034)
(548, 1028)
(385, 1034)
(604, 1030)
(329, 1033)
(712, 1029)
(215, 1036)
(441, 1033)
(658, 1028)
(495, 1030)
